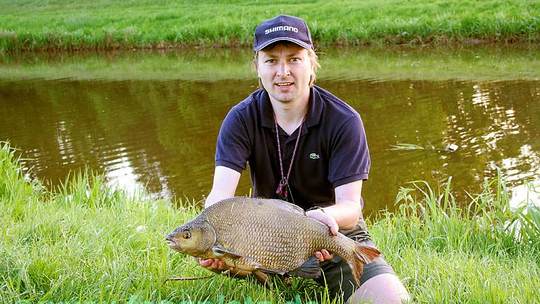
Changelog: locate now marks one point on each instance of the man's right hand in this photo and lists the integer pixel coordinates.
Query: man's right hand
(216, 265)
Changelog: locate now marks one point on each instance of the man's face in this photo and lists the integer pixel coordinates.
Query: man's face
(285, 70)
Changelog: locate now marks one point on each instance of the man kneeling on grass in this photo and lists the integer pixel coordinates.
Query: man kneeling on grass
(306, 146)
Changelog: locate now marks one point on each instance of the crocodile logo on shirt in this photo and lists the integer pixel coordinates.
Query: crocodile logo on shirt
(314, 155)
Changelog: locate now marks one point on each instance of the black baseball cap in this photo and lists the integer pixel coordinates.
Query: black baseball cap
(282, 28)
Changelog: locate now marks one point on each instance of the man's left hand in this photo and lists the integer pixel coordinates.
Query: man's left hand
(324, 218)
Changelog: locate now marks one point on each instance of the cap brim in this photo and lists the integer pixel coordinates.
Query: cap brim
(296, 41)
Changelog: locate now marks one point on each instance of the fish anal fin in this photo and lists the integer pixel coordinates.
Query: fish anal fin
(309, 269)
(261, 277)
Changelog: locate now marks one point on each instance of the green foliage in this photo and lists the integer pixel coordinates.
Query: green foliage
(476, 63)
(69, 25)
(87, 242)
(448, 253)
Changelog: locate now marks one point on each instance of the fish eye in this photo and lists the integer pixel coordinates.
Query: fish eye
(186, 234)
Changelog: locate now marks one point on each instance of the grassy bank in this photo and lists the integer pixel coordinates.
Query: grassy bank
(103, 24)
(470, 63)
(87, 242)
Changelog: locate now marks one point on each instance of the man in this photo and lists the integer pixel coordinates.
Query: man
(306, 146)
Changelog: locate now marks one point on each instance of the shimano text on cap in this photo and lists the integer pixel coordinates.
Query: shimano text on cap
(282, 28)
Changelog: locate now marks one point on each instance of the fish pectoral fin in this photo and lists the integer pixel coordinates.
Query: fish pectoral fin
(310, 269)
(220, 251)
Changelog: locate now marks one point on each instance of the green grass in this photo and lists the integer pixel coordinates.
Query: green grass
(471, 63)
(101, 24)
(87, 242)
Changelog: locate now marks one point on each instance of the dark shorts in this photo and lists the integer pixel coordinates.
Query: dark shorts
(337, 275)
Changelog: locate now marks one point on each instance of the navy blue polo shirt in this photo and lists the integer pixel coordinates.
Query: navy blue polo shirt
(332, 150)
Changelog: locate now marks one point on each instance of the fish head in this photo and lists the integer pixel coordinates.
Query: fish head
(194, 238)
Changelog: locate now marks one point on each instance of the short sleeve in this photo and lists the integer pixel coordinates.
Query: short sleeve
(232, 149)
(349, 154)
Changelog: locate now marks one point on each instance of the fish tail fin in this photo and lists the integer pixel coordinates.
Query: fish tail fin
(362, 255)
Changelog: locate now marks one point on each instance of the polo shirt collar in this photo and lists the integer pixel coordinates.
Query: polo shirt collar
(316, 105)
(267, 113)
(314, 113)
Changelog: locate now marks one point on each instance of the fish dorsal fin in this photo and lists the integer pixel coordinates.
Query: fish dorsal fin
(282, 205)
(310, 269)
(220, 251)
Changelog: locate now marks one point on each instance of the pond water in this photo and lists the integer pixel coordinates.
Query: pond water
(150, 119)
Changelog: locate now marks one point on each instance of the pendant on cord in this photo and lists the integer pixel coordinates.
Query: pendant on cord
(282, 189)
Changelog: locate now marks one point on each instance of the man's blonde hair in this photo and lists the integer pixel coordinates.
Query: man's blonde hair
(312, 57)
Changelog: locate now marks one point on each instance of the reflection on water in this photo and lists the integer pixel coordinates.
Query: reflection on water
(526, 195)
(160, 134)
(501, 131)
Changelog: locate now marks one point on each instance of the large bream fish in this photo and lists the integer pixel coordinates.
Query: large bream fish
(265, 236)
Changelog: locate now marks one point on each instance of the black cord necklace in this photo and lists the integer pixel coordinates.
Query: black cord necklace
(284, 182)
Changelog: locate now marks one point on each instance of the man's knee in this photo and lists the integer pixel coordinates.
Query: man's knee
(384, 288)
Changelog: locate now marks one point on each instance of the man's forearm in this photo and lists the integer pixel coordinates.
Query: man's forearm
(215, 196)
(346, 213)
(348, 207)
(224, 185)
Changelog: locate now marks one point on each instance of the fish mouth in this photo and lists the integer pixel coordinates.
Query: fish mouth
(170, 241)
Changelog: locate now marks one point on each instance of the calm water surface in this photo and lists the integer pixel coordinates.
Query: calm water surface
(156, 128)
